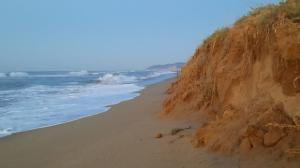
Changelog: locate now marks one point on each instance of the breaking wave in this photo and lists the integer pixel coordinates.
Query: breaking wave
(18, 74)
(116, 79)
(80, 73)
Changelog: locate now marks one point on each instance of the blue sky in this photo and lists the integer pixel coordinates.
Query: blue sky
(108, 34)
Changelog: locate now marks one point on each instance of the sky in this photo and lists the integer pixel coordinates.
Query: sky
(38, 35)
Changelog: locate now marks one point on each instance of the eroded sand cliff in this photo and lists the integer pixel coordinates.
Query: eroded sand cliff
(243, 82)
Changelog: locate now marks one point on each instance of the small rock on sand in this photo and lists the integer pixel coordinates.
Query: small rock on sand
(177, 130)
(159, 135)
(245, 145)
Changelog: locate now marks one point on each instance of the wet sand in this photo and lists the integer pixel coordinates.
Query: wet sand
(123, 137)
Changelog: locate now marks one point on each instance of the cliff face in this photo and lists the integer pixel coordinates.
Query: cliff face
(244, 83)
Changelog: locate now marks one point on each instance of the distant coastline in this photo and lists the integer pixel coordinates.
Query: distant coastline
(175, 67)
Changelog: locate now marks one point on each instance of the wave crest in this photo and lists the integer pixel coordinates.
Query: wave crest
(18, 74)
(79, 73)
(116, 79)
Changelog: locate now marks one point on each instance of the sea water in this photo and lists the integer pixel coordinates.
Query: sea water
(31, 100)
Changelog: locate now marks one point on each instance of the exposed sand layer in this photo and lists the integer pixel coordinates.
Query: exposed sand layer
(244, 83)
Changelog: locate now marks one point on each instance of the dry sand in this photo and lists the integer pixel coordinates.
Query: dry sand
(123, 137)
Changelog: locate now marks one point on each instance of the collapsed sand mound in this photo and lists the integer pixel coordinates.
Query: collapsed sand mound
(244, 83)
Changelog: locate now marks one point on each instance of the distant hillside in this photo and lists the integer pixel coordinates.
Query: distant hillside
(243, 83)
(167, 67)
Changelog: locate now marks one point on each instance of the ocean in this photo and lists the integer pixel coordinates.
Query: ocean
(31, 100)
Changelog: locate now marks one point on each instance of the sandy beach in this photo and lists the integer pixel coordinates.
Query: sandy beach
(123, 137)
(150, 84)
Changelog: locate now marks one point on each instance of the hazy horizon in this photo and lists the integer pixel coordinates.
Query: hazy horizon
(73, 35)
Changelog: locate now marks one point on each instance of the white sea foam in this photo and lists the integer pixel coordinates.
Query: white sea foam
(18, 74)
(51, 75)
(50, 105)
(79, 73)
(5, 132)
(95, 73)
(111, 79)
(2, 75)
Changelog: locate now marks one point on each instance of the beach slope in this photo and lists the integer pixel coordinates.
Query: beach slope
(120, 138)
